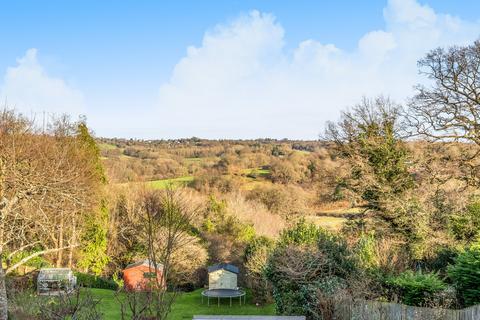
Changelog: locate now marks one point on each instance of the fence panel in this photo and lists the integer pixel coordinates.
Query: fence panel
(374, 310)
(470, 313)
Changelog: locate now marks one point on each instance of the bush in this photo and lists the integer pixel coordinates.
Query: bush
(79, 304)
(442, 257)
(308, 270)
(211, 182)
(366, 252)
(284, 172)
(219, 221)
(91, 281)
(257, 253)
(286, 200)
(466, 226)
(465, 275)
(416, 289)
(300, 234)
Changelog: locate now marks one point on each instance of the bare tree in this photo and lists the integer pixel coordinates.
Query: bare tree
(165, 220)
(449, 109)
(46, 182)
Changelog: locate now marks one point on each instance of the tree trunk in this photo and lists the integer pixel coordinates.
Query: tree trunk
(3, 296)
(73, 241)
(60, 245)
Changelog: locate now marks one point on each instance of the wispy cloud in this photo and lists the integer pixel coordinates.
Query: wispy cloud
(242, 82)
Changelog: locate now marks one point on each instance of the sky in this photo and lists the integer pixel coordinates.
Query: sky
(218, 69)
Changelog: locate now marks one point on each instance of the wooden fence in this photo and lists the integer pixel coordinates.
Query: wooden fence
(373, 310)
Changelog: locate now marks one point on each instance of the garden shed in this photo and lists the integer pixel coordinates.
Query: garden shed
(222, 276)
(55, 281)
(141, 275)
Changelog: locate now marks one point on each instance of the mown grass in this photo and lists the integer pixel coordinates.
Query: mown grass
(185, 306)
(174, 182)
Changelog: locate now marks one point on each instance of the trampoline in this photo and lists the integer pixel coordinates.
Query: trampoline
(224, 293)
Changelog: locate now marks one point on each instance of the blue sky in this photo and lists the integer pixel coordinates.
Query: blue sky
(254, 68)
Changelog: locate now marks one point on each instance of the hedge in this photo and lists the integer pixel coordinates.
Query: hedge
(93, 281)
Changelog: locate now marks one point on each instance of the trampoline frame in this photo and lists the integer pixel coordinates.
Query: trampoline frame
(239, 293)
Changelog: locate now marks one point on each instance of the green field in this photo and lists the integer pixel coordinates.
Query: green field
(256, 171)
(185, 306)
(304, 152)
(106, 146)
(174, 182)
(334, 219)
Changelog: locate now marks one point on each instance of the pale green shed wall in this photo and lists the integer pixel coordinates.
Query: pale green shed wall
(222, 279)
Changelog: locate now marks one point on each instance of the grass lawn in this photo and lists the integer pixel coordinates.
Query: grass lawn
(185, 306)
(164, 183)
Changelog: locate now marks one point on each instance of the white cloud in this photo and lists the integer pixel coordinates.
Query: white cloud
(242, 82)
(28, 88)
(376, 44)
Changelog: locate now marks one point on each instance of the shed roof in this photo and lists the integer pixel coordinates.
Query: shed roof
(146, 263)
(55, 273)
(224, 266)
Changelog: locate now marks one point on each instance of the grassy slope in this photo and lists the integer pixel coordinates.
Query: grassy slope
(258, 171)
(334, 219)
(186, 305)
(164, 183)
(106, 146)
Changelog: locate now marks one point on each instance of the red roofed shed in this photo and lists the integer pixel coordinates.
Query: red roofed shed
(140, 276)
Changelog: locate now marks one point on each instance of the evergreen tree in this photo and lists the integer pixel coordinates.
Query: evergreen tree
(93, 255)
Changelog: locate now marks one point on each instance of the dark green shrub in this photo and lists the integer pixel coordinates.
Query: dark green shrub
(416, 289)
(440, 260)
(466, 225)
(91, 281)
(465, 275)
(340, 260)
